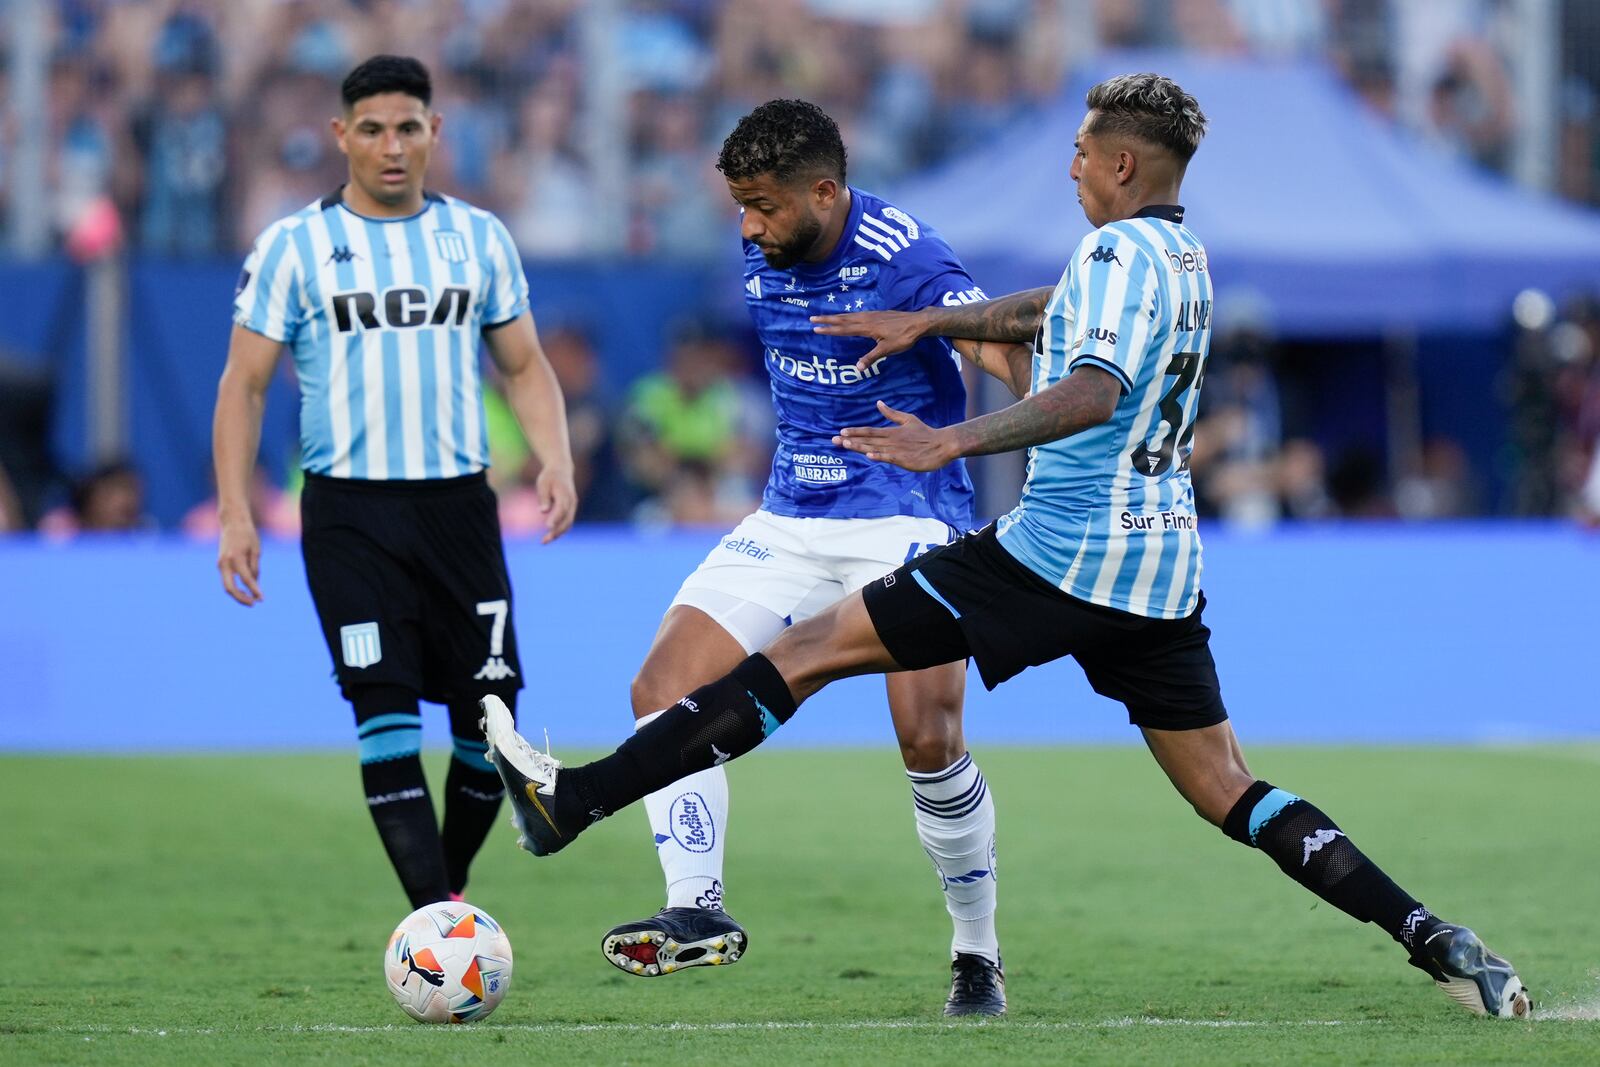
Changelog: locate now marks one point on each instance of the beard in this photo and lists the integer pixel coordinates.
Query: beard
(795, 248)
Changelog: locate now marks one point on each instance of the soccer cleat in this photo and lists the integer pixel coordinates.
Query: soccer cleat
(530, 779)
(675, 938)
(977, 987)
(1471, 975)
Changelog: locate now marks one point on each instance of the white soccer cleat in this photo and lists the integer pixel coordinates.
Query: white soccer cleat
(530, 779)
(1471, 975)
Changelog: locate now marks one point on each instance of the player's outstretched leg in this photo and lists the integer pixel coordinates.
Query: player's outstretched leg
(552, 805)
(1208, 768)
(1310, 847)
(530, 781)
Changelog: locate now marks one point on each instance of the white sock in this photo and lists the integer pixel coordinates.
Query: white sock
(688, 820)
(955, 822)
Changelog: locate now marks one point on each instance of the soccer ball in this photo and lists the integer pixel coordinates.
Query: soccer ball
(448, 963)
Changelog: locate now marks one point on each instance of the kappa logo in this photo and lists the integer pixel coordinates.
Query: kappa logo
(494, 669)
(343, 254)
(721, 756)
(1103, 254)
(1315, 842)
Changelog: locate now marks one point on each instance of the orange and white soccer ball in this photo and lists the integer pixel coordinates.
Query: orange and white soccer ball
(448, 963)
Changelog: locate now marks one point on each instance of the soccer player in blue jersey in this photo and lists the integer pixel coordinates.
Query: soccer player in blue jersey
(830, 522)
(1099, 561)
(382, 292)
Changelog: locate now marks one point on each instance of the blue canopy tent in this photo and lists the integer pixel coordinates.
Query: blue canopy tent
(1326, 218)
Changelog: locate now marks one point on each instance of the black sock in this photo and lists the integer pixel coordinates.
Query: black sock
(390, 728)
(397, 796)
(472, 792)
(1310, 848)
(711, 725)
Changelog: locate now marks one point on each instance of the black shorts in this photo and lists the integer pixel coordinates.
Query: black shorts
(410, 583)
(973, 598)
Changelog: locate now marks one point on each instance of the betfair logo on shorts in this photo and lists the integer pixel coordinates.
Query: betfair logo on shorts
(360, 645)
(743, 546)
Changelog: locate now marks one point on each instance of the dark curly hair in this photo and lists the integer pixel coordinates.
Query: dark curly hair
(1150, 107)
(784, 138)
(387, 74)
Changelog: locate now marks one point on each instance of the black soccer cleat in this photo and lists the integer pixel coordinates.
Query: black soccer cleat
(1471, 975)
(675, 938)
(530, 779)
(977, 987)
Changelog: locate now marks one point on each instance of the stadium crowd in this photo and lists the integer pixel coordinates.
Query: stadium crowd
(183, 127)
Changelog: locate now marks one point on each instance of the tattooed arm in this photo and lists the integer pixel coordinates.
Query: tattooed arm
(1012, 364)
(1013, 319)
(1086, 397)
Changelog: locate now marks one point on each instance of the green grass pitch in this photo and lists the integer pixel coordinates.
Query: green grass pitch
(233, 910)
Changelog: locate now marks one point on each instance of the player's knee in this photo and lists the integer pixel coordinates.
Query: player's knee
(650, 692)
(930, 749)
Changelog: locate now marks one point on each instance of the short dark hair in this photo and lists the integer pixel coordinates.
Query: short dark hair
(387, 74)
(1150, 107)
(784, 138)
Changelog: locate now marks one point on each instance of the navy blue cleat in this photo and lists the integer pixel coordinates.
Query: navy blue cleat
(530, 779)
(977, 987)
(1471, 975)
(675, 938)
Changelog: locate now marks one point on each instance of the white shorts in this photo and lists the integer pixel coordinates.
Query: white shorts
(773, 570)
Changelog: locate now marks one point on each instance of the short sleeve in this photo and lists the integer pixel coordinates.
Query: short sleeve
(929, 274)
(267, 299)
(1113, 294)
(508, 284)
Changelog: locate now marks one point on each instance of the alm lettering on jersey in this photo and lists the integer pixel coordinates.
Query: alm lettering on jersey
(403, 306)
(817, 469)
(1169, 520)
(824, 372)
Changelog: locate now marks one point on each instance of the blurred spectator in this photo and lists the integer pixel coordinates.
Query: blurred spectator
(11, 517)
(108, 499)
(603, 496)
(182, 136)
(689, 413)
(1442, 487)
(547, 192)
(1358, 486)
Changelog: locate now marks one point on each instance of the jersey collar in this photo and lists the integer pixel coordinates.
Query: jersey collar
(336, 199)
(1170, 212)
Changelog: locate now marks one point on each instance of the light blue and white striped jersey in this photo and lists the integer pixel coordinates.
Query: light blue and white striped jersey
(384, 318)
(1107, 515)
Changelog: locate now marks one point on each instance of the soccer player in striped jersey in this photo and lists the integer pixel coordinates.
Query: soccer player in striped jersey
(1099, 561)
(382, 292)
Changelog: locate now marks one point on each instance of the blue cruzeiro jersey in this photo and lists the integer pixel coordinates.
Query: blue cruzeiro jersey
(384, 318)
(1107, 515)
(885, 260)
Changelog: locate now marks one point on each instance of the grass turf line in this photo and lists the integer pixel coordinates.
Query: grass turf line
(227, 909)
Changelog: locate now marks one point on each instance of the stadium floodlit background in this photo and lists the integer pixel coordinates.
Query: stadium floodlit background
(1397, 462)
